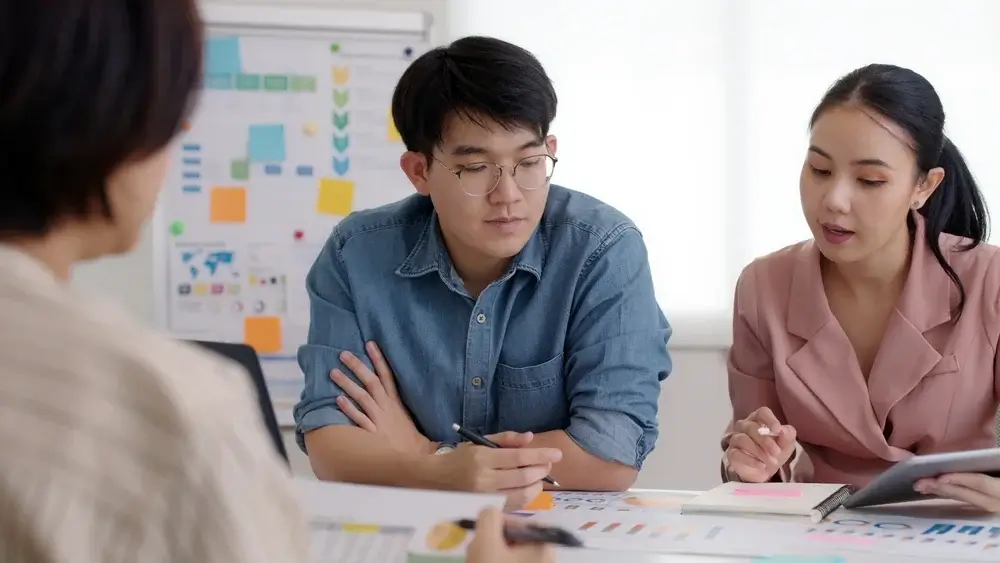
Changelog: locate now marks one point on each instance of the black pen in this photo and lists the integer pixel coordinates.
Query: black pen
(531, 533)
(480, 441)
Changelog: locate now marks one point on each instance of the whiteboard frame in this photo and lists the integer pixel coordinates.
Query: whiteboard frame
(233, 16)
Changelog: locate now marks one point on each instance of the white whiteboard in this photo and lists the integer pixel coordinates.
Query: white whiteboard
(291, 133)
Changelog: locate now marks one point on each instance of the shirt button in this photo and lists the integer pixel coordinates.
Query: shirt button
(480, 318)
(477, 381)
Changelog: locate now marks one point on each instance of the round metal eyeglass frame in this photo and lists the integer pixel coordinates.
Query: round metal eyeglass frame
(498, 172)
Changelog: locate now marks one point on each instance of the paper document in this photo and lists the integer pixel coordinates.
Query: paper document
(363, 524)
(650, 521)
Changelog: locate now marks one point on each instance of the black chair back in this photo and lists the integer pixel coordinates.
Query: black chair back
(247, 357)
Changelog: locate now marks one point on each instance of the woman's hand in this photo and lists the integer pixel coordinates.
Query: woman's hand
(976, 489)
(489, 545)
(753, 457)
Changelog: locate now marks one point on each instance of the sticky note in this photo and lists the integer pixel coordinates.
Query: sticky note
(336, 197)
(334, 47)
(275, 83)
(177, 228)
(393, 132)
(228, 205)
(340, 75)
(341, 142)
(310, 129)
(267, 143)
(341, 166)
(303, 83)
(239, 169)
(248, 82)
(263, 334)
(767, 492)
(222, 56)
(341, 97)
(543, 501)
(340, 120)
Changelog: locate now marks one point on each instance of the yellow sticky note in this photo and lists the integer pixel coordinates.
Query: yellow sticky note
(336, 197)
(263, 334)
(310, 129)
(228, 205)
(340, 75)
(393, 132)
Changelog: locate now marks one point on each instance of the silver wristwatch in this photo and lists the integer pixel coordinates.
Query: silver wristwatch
(444, 448)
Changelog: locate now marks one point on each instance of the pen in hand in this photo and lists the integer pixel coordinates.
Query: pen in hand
(531, 533)
(481, 441)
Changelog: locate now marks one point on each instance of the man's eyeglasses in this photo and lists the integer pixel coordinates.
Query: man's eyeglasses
(481, 178)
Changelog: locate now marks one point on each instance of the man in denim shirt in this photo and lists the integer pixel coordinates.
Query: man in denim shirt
(505, 304)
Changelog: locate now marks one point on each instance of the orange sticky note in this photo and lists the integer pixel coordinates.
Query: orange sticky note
(263, 334)
(336, 197)
(543, 501)
(393, 132)
(340, 75)
(228, 205)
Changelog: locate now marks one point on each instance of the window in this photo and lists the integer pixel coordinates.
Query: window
(692, 117)
(795, 50)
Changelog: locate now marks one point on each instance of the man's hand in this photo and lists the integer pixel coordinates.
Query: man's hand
(513, 470)
(384, 413)
(489, 546)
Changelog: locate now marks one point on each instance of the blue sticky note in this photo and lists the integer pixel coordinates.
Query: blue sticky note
(272, 169)
(267, 143)
(222, 56)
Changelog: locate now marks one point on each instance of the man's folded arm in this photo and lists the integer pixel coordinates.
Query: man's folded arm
(617, 357)
(336, 447)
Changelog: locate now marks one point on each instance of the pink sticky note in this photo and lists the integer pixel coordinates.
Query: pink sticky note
(768, 492)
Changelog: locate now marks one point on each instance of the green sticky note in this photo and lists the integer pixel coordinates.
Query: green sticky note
(248, 82)
(334, 47)
(177, 228)
(239, 169)
(341, 97)
(275, 83)
(303, 84)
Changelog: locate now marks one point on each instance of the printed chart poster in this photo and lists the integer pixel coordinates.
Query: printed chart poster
(206, 287)
(292, 133)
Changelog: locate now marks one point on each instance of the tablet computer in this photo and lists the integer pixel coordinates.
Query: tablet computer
(896, 483)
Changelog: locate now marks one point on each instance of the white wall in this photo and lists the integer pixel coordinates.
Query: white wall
(694, 401)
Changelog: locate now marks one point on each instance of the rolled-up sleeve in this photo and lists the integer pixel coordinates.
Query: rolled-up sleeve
(333, 328)
(617, 345)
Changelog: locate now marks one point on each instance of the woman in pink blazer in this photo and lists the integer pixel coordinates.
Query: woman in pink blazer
(876, 340)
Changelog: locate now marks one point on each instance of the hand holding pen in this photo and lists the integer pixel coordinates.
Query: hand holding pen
(510, 469)
(500, 541)
(759, 446)
(481, 441)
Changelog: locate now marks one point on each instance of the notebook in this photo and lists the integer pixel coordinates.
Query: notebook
(813, 500)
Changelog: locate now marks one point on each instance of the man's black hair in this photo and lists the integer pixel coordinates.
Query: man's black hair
(478, 79)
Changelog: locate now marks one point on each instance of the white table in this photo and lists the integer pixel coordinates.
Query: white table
(928, 509)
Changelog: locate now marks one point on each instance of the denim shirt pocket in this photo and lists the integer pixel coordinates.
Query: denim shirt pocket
(532, 398)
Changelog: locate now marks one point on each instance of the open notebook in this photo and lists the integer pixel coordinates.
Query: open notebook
(814, 500)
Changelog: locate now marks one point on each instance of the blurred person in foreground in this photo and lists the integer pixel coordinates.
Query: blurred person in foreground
(118, 444)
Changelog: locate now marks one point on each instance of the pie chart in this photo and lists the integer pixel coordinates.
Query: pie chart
(445, 536)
